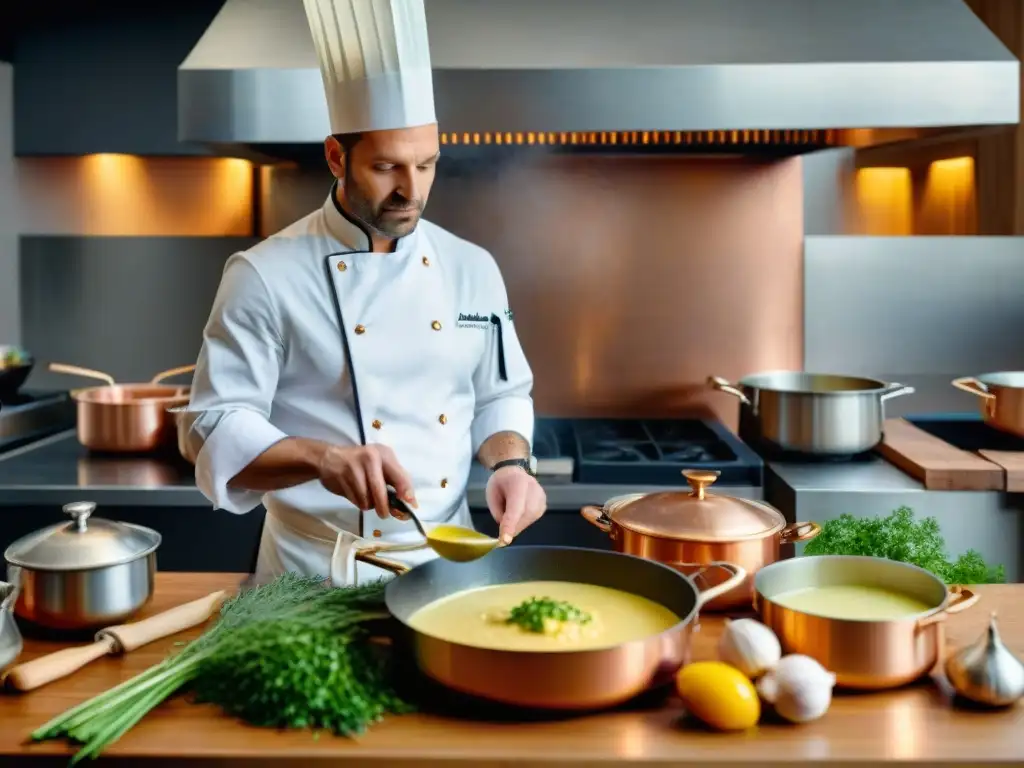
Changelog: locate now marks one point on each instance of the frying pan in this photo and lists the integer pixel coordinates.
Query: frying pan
(124, 418)
(559, 680)
(13, 377)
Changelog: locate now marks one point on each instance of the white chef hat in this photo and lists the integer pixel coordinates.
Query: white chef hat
(375, 60)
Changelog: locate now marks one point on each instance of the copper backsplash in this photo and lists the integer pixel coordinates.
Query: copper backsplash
(631, 278)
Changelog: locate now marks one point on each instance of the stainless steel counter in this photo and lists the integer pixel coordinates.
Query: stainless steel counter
(988, 521)
(58, 470)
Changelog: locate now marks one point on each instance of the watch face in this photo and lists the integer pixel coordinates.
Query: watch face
(533, 464)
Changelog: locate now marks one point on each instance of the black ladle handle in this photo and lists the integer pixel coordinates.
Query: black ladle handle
(399, 504)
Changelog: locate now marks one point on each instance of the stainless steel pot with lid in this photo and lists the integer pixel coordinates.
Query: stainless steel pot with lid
(87, 573)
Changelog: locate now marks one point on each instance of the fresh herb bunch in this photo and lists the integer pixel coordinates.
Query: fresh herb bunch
(534, 613)
(900, 537)
(293, 653)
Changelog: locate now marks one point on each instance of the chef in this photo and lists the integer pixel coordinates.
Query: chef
(363, 347)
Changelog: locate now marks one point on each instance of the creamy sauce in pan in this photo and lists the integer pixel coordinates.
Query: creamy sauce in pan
(477, 617)
(853, 602)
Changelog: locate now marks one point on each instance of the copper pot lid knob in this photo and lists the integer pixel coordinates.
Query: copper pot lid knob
(700, 479)
(697, 514)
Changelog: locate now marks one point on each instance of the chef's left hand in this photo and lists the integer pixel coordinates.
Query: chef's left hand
(516, 501)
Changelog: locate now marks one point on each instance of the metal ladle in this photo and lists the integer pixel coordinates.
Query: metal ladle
(452, 542)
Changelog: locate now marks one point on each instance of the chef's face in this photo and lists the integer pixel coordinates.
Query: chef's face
(385, 176)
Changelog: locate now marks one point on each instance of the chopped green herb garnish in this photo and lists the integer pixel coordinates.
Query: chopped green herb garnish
(535, 614)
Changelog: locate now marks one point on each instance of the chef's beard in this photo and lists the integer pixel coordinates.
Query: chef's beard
(375, 216)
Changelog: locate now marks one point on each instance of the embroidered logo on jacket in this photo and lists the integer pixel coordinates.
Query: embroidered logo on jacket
(474, 320)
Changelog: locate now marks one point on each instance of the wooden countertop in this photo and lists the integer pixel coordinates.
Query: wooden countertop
(915, 724)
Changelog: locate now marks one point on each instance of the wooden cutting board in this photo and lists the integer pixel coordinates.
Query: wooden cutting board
(943, 467)
(1012, 463)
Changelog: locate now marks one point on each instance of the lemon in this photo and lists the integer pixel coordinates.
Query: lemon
(720, 695)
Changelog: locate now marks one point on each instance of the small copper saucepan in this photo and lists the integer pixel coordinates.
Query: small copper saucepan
(556, 680)
(126, 418)
(863, 654)
(686, 531)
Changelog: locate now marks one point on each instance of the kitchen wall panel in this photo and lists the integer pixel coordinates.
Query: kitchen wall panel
(919, 310)
(128, 195)
(129, 306)
(10, 321)
(632, 279)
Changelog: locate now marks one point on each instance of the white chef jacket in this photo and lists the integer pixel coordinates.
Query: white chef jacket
(311, 335)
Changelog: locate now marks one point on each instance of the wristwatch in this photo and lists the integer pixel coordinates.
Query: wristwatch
(529, 466)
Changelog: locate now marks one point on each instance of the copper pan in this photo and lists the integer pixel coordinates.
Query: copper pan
(559, 680)
(687, 530)
(1001, 398)
(126, 418)
(863, 654)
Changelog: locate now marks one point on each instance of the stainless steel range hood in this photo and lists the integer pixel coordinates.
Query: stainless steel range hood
(508, 66)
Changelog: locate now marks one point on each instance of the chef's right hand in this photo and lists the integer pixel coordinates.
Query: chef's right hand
(362, 473)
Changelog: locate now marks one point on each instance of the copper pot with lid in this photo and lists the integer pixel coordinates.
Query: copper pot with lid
(690, 530)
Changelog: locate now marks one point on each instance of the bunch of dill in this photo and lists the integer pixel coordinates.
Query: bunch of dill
(293, 653)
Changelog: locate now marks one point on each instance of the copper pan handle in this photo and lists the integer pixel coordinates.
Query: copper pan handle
(972, 386)
(87, 373)
(798, 532)
(597, 518)
(717, 382)
(739, 573)
(171, 373)
(961, 598)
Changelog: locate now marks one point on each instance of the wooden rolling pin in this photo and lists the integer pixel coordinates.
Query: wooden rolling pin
(119, 639)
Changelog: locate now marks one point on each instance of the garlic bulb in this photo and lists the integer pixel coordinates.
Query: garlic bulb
(987, 672)
(799, 688)
(749, 646)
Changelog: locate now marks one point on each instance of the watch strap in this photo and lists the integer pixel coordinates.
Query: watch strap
(527, 465)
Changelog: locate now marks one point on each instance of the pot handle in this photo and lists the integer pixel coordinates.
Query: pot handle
(961, 598)
(597, 518)
(896, 390)
(171, 373)
(798, 532)
(739, 573)
(972, 386)
(87, 373)
(717, 382)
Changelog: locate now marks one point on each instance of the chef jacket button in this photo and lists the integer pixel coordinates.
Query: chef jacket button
(444, 482)
(342, 266)
(360, 330)
(377, 532)
(436, 325)
(426, 262)
(377, 424)
(443, 419)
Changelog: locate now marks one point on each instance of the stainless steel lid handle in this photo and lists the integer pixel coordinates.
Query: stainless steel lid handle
(80, 511)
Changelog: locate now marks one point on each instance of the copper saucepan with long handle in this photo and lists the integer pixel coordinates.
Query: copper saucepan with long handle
(562, 680)
(126, 418)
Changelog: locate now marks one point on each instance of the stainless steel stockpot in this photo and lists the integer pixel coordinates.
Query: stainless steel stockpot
(812, 413)
(84, 574)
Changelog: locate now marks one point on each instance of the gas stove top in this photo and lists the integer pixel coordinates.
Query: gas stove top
(643, 452)
(32, 415)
